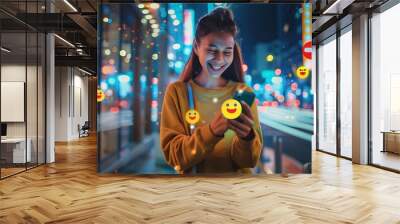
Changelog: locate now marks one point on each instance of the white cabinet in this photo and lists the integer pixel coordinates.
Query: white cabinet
(18, 149)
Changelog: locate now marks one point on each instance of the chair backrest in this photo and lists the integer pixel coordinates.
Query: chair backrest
(86, 125)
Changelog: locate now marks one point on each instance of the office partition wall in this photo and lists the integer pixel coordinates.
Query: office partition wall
(22, 77)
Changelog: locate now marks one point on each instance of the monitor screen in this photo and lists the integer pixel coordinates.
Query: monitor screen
(149, 121)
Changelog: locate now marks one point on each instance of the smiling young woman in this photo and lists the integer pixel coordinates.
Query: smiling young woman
(213, 73)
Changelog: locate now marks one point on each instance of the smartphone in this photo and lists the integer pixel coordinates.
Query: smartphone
(245, 96)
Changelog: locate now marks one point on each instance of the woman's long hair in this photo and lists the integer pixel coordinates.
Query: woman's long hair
(219, 20)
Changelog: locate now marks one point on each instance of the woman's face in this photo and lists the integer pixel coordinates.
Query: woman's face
(215, 52)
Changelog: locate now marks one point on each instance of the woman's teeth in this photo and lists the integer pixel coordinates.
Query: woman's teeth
(216, 68)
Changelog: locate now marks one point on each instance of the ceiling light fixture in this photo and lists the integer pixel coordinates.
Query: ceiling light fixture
(84, 71)
(337, 7)
(70, 5)
(65, 41)
(5, 49)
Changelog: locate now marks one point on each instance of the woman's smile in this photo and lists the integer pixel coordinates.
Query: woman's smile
(216, 68)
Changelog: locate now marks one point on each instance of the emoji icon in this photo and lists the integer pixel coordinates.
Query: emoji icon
(231, 109)
(192, 116)
(100, 95)
(302, 72)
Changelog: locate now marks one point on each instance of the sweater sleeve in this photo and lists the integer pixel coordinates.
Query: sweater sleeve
(181, 150)
(246, 153)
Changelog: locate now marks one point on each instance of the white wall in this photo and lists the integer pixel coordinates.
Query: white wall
(13, 73)
(71, 94)
(61, 103)
(33, 127)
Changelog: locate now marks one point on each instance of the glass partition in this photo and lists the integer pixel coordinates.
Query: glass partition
(14, 152)
(22, 88)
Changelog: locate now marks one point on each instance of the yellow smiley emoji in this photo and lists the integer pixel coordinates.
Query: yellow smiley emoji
(100, 95)
(302, 72)
(231, 109)
(192, 116)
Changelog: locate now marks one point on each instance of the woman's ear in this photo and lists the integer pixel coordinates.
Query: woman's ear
(195, 47)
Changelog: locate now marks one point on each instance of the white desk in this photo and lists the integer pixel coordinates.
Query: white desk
(18, 150)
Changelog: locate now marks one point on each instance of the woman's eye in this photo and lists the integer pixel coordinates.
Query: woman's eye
(228, 53)
(212, 51)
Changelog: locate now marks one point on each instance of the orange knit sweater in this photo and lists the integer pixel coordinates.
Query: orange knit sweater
(202, 151)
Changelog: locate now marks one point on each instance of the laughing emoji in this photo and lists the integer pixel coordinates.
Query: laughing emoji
(231, 109)
(100, 95)
(192, 116)
(302, 72)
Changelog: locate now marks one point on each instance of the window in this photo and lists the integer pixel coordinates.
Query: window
(327, 96)
(346, 93)
(385, 85)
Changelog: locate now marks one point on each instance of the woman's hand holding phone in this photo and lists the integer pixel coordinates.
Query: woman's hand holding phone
(219, 125)
(243, 127)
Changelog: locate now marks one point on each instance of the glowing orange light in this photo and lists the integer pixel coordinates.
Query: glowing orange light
(268, 87)
(124, 104)
(114, 109)
(154, 103)
(244, 67)
(108, 69)
(293, 86)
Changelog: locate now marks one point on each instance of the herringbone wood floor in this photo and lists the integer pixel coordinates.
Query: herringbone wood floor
(70, 191)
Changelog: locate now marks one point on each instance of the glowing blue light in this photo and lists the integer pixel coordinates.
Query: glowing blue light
(187, 51)
(247, 79)
(171, 56)
(176, 46)
(111, 80)
(143, 78)
(178, 65)
(154, 91)
(124, 78)
(267, 74)
(103, 85)
(276, 80)
(124, 90)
